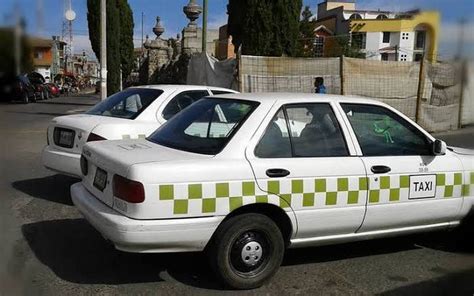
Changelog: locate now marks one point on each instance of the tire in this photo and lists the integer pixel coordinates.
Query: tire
(246, 251)
(25, 99)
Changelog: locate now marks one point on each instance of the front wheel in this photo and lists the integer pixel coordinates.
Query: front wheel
(246, 251)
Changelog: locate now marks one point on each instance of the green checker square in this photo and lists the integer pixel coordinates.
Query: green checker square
(457, 178)
(395, 194)
(466, 190)
(262, 199)
(404, 181)
(320, 185)
(180, 206)
(363, 183)
(353, 197)
(248, 188)
(166, 192)
(342, 184)
(331, 198)
(308, 200)
(374, 196)
(235, 202)
(274, 187)
(472, 178)
(448, 191)
(209, 205)
(440, 179)
(222, 190)
(194, 191)
(296, 186)
(385, 182)
(285, 200)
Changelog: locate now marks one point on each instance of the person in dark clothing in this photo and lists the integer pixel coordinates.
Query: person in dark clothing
(319, 87)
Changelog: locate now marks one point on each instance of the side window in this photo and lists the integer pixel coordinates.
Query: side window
(275, 143)
(181, 101)
(381, 132)
(314, 132)
(220, 92)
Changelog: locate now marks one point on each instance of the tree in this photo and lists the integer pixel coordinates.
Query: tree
(7, 53)
(306, 36)
(264, 27)
(119, 39)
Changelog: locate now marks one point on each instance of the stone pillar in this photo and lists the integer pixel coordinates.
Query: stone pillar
(158, 54)
(191, 42)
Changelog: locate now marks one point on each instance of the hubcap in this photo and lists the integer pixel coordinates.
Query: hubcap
(251, 253)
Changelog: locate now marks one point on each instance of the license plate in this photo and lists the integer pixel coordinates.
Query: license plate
(100, 179)
(66, 138)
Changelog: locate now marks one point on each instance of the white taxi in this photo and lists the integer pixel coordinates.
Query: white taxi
(133, 113)
(244, 176)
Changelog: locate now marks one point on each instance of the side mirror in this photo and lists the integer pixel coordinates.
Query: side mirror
(439, 147)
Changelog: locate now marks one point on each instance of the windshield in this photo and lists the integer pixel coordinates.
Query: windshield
(126, 104)
(205, 127)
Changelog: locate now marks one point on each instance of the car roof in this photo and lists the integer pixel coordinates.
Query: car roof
(272, 97)
(167, 87)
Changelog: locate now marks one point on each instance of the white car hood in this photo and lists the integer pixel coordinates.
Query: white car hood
(462, 151)
(117, 156)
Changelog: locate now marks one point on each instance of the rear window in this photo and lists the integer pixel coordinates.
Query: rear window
(126, 104)
(205, 127)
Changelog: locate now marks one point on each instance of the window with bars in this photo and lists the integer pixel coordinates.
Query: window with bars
(319, 46)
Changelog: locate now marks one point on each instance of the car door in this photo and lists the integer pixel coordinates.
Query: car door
(408, 185)
(302, 156)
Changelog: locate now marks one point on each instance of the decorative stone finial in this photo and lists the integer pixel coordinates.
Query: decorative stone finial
(147, 42)
(158, 29)
(192, 12)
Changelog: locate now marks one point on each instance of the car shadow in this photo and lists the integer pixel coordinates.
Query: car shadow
(54, 188)
(459, 283)
(66, 103)
(77, 253)
(40, 113)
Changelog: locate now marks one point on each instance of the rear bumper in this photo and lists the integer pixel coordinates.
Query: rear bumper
(144, 236)
(62, 162)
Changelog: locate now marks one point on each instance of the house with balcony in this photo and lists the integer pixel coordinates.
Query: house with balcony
(379, 34)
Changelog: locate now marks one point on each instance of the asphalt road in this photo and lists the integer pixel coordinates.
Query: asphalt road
(47, 248)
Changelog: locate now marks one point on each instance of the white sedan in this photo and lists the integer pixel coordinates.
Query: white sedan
(131, 114)
(244, 176)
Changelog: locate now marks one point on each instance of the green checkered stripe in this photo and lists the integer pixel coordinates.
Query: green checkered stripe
(396, 188)
(220, 198)
(468, 187)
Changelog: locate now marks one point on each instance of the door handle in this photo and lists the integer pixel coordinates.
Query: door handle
(277, 173)
(380, 169)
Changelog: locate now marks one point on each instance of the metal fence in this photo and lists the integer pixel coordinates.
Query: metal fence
(428, 93)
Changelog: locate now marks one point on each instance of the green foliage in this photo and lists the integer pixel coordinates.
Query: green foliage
(348, 48)
(265, 27)
(7, 53)
(306, 34)
(119, 39)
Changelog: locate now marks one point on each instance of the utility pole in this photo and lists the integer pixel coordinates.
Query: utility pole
(103, 50)
(18, 33)
(143, 16)
(204, 27)
(462, 25)
(396, 53)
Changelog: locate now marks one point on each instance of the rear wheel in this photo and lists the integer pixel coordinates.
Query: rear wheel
(246, 251)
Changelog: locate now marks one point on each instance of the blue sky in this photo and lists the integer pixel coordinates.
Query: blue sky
(174, 20)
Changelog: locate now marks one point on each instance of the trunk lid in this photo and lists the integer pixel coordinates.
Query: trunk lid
(116, 157)
(69, 133)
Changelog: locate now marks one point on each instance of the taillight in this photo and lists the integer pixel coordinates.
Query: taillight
(128, 190)
(84, 166)
(94, 137)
